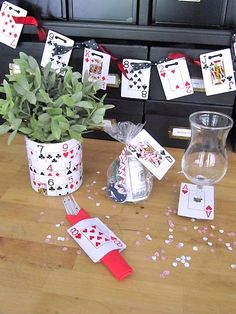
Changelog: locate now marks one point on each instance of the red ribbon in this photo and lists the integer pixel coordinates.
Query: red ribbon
(116, 60)
(30, 20)
(177, 55)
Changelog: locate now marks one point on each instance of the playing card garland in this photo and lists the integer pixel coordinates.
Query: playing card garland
(53, 112)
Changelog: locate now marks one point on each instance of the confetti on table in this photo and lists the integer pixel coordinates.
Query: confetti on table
(64, 249)
(233, 266)
(57, 225)
(98, 204)
(148, 237)
(180, 245)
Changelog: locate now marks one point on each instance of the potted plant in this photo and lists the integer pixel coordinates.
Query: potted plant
(53, 112)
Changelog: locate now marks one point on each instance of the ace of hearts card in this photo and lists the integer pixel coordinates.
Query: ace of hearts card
(9, 30)
(200, 208)
(175, 78)
(218, 72)
(96, 65)
(138, 81)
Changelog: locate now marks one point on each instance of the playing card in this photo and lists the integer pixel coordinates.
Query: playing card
(201, 207)
(96, 64)
(57, 50)
(217, 71)
(151, 154)
(95, 238)
(9, 30)
(175, 78)
(137, 84)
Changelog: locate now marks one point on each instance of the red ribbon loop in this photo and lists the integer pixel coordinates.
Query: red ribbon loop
(30, 20)
(116, 60)
(177, 55)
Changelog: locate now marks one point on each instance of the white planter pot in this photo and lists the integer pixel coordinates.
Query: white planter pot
(55, 169)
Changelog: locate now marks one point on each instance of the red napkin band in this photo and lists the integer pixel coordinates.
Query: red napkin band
(112, 260)
(30, 20)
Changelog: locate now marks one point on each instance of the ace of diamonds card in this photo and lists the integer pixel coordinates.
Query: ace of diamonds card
(200, 208)
(9, 30)
(217, 71)
(175, 78)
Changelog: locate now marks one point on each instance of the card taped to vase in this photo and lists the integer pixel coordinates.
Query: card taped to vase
(137, 182)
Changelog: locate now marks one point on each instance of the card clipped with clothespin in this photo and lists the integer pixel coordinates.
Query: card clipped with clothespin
(151, 154)
(9, 30)
(57, 50)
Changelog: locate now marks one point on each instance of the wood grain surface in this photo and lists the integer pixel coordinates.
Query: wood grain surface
(42, 271)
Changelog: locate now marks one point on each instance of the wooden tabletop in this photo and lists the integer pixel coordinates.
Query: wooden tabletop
(43, 271)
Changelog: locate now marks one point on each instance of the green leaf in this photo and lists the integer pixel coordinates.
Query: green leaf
(15, 123)
(98, 115)
(69, 113)
(11, 137)
(37, 79)
(30, 97)
(22, 81)
(68, 100)
(56, 131)
(77, 96)
(19, 89)
(45, 96)
(4, 128)
(44, 117)
(54, 111)
(78, 128)
(25, 130)
(32, 63)
(7, 89)
(85, 104)
(75, 135)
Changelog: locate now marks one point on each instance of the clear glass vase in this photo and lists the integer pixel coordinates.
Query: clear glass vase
(205, 160)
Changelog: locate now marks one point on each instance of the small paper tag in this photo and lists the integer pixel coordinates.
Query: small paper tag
(95, 238)
(9, 30)
(96, 64)
(151, 154)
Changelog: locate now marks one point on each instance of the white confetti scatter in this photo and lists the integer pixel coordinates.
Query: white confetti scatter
(171, 230)
(103, 188)
(174, 264)
(188, 258)
(78, 252)
(90, 197)
(98, 172)
(94, 182)
(107, 217)
(195, 227)
(154, 258)
(221, 231)
(186, 264)
(98, 204)
(49, 236)
(60, 238)
(210, 243)
(227, 244)
(193, 219)
(57, 225)
(180, 245)
(178, 259)
(195, 248)
(64, 249)
(230, 248)
(148, 237)
(213, 227)
(233, 266)
(171, 236)
(205, 238)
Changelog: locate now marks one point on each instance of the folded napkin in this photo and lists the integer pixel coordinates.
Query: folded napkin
(113, 260)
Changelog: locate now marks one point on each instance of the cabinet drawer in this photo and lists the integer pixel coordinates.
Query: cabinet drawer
(46, 9)
(113, 11)
(189, 12)
(156, 90)
(168, 122)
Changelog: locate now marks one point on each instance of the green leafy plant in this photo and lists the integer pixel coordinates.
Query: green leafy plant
(48, 107)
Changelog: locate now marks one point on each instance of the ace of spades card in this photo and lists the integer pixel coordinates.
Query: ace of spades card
(137, 84)
(175, 78)
(202, 208)
(95, 238)
(217, 71)
(9, 30)
(57, 50)
(96, 64)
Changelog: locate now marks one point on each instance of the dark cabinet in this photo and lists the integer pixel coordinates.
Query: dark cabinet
(46, 9)
(113, 11)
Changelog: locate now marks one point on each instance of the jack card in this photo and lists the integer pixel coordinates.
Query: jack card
(57, 50)
(217, 71)
(175, 78)
(137, 86)
(151, 154)
(200, 208)
(9, 30)
(96, 64)
(95, 238)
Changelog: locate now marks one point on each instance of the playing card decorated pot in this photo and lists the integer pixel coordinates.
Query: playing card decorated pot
(55, 169)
